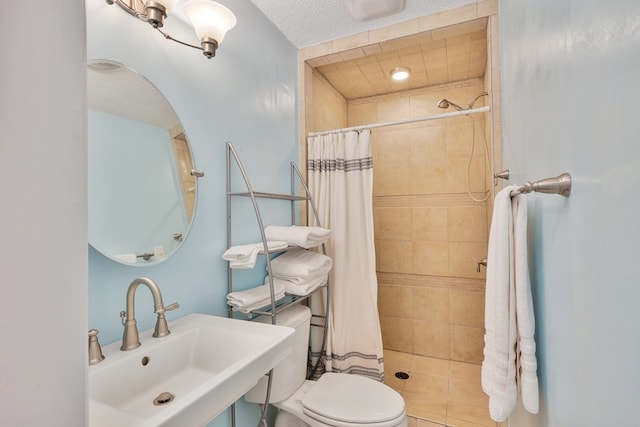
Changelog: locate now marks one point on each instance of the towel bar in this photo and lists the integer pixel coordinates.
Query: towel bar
(560, 184)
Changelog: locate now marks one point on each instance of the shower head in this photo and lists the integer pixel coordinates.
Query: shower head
(445, 103)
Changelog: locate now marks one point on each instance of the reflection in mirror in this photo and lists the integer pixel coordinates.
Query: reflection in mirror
(142, 195)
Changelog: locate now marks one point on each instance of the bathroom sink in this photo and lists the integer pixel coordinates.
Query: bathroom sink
(194, 374)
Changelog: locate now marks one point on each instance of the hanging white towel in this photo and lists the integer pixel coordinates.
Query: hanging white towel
(509, 344)
(499, 364)
(254, 298)
(526, 349)
(295, 235)
(245, 256)
(299, 264)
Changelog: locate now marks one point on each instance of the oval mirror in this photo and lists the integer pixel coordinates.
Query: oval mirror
(142, 193)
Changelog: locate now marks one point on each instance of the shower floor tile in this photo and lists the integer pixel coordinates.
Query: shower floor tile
(438, 392)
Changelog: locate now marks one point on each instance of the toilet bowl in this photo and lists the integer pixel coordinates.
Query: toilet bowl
(338, 400)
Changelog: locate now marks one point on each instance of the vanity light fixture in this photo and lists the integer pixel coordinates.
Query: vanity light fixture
(210, 19)
(400, 73)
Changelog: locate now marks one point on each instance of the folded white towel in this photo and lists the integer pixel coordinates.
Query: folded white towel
(245, 256)
(242, 256)
(303, 288)
(295, 235)
(254, 298)
(298, 265)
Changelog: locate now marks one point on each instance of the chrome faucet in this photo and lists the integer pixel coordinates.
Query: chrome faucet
(130, 338)
(95, 351)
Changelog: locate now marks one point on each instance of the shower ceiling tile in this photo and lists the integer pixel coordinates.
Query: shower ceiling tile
(318, 62)
(409, 50)
(352, 54)
(373, 71)
(415, 61)
(445, 55)
(372, 49)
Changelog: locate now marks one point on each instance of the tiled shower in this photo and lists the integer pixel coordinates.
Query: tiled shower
(429, 233)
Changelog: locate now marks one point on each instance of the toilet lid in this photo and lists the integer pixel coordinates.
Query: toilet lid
(352, 399)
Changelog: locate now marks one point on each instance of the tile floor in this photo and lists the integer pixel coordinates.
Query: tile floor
(438, 392)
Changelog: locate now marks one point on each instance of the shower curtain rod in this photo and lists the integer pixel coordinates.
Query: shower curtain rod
(403, 121)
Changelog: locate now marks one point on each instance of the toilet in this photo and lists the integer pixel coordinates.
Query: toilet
(338, 400)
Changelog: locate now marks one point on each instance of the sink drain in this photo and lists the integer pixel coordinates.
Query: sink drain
(163, 398)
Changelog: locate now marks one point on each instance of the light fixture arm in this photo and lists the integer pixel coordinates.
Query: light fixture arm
(169, 37)
(127, 8)
(154, 12)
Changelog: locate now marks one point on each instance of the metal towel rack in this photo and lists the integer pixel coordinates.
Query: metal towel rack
(560, 184)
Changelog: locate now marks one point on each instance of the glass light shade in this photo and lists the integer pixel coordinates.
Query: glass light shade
(168, 4)
(210, 19)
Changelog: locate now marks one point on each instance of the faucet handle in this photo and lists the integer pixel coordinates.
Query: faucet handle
(161, 329)
(171, 307)
(95, 351)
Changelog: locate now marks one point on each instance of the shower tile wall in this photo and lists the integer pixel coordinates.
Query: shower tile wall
(429, 233)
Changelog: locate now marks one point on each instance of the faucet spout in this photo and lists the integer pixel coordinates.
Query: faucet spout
(130, 339)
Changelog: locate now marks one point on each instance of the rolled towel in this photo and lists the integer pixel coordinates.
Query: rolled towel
(245, 256)
(254, 298)
(295, 235)
(300, 289)
(300, 264)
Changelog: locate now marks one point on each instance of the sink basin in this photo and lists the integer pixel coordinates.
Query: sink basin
(201, 368)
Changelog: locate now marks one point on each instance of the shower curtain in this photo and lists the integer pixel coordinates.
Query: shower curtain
(340, 178)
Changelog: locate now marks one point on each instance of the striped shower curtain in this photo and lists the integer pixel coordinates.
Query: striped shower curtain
(340, 178)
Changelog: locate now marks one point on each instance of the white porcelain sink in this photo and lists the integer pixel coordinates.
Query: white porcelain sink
(206, 363)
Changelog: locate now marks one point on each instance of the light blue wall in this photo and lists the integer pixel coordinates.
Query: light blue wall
(247, 95)
(570, 103)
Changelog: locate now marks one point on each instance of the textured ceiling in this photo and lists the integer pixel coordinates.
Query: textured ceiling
(309, 22)
(115, 89)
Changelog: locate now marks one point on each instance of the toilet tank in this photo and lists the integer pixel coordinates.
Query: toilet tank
(291, 372)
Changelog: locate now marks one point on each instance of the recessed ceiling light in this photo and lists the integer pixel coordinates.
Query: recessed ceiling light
(400, 73)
